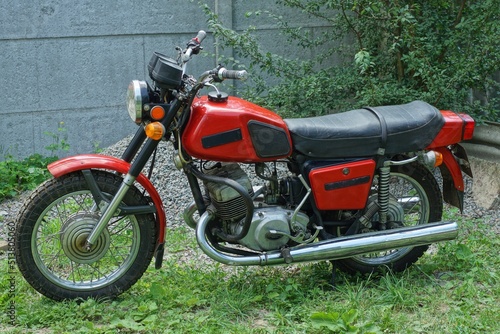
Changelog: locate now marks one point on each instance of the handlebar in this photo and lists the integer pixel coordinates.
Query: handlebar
(193, 46)
(200, 37)
(222, 74)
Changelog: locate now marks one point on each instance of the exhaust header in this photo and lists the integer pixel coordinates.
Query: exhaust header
(335, 249)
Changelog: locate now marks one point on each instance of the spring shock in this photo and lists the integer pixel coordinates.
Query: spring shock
(383, 194)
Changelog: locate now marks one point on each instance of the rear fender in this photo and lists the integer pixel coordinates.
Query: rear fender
(96, 161)
(451, 171)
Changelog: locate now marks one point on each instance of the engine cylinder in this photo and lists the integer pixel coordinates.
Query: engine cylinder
(228, 202)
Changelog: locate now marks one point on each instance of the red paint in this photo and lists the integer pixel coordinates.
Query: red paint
(469, 126)
(89, 161)
(453, 166)
(457, 127)
(209, 118)
(343, 198)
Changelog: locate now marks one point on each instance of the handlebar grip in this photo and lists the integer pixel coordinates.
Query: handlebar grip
(201, 36)
(231, 74)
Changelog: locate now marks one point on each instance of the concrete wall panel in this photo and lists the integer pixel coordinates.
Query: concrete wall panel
(71, 61)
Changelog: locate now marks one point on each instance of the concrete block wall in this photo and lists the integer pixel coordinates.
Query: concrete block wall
(71, 62)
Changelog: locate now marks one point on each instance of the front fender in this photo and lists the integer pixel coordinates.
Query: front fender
(97, 161)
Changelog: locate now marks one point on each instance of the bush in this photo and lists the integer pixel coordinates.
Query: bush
(17, 176)
(439, 51)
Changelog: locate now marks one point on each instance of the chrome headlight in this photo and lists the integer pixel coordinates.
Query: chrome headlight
(137, 96)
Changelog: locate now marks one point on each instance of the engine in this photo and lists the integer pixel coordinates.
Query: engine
(272, 227)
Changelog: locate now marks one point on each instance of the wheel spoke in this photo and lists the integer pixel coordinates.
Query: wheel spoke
(409, 206)
(51, 239)
(60, 232)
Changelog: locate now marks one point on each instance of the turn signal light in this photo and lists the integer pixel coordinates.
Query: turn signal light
(433, 158)
(155, 130)
(439, 159)
(157, 113)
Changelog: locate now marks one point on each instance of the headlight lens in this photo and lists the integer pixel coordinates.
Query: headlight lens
(137, 96)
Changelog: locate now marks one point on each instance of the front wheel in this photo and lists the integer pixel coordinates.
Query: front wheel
(52, 229)
(415, 199)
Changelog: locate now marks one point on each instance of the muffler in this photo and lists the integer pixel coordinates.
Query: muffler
(337, 248)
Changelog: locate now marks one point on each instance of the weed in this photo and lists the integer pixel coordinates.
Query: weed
(59, 140)
(17, 176)
(453, 289)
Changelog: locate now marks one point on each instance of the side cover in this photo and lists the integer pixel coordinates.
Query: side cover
(235, 130)
(341, 185)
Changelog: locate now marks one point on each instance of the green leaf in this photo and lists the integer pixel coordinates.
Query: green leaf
(331, 321)
(126, 323)
(273, 295)
(350, 316)
(463, 252)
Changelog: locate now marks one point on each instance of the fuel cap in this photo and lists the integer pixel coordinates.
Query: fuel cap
(218, 97)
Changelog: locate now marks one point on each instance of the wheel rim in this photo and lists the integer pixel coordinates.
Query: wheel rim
(409, 205)
(59, 238)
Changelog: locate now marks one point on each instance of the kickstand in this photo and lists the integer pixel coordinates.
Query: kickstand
(334, 274)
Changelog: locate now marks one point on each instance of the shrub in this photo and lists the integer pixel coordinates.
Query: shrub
(17, 176)
(439, 51)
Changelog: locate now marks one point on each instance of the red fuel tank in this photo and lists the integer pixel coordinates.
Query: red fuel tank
(235, 131)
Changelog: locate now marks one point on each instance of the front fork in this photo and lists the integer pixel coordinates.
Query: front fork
(128, 180)
(134, 171)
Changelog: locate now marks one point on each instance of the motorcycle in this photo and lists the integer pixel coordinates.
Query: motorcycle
(355, 188)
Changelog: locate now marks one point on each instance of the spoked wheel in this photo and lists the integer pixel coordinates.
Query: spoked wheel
(51, 233)
(415, 199)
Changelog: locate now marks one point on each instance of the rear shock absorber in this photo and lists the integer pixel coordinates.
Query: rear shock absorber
(383, 194)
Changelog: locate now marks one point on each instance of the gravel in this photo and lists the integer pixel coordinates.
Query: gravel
(174, 190)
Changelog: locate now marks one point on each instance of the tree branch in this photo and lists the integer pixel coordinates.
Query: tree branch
(358, 34)
(457, 21)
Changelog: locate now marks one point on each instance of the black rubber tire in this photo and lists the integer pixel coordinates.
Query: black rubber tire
(42, 229)
(433, 200)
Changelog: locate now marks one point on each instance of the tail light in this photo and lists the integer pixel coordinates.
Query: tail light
(468, 129)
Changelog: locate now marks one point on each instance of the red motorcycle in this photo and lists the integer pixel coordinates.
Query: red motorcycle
(358, 187)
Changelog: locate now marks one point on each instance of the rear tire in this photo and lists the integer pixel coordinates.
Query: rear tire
(51, 231)
(415, 199)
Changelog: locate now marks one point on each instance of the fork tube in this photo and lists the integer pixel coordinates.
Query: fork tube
(128, 180)
(134, 145)
(110, 210)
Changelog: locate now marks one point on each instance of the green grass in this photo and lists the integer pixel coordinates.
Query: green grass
(454, 289)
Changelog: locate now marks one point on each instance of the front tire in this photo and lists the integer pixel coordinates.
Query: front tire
(415, 199)
(51, 232)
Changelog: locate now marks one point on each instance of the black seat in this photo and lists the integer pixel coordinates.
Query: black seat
(358, 132)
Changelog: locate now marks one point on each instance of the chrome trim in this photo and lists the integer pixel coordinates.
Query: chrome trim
(334, 249)
(137, 96)
(188, 213)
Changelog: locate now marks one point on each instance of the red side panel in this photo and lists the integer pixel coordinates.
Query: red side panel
(343, 186)
(221, 131)
(89, 161)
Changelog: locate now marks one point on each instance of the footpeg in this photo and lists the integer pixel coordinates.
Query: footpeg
(285, 253)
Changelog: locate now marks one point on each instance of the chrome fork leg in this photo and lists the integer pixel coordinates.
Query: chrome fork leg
(109, 211)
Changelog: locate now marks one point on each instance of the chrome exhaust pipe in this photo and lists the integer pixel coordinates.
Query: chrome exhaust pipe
(188, 213)
(337, 248)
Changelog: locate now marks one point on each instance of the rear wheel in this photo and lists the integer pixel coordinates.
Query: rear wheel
(415, 199)
(51, 233)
